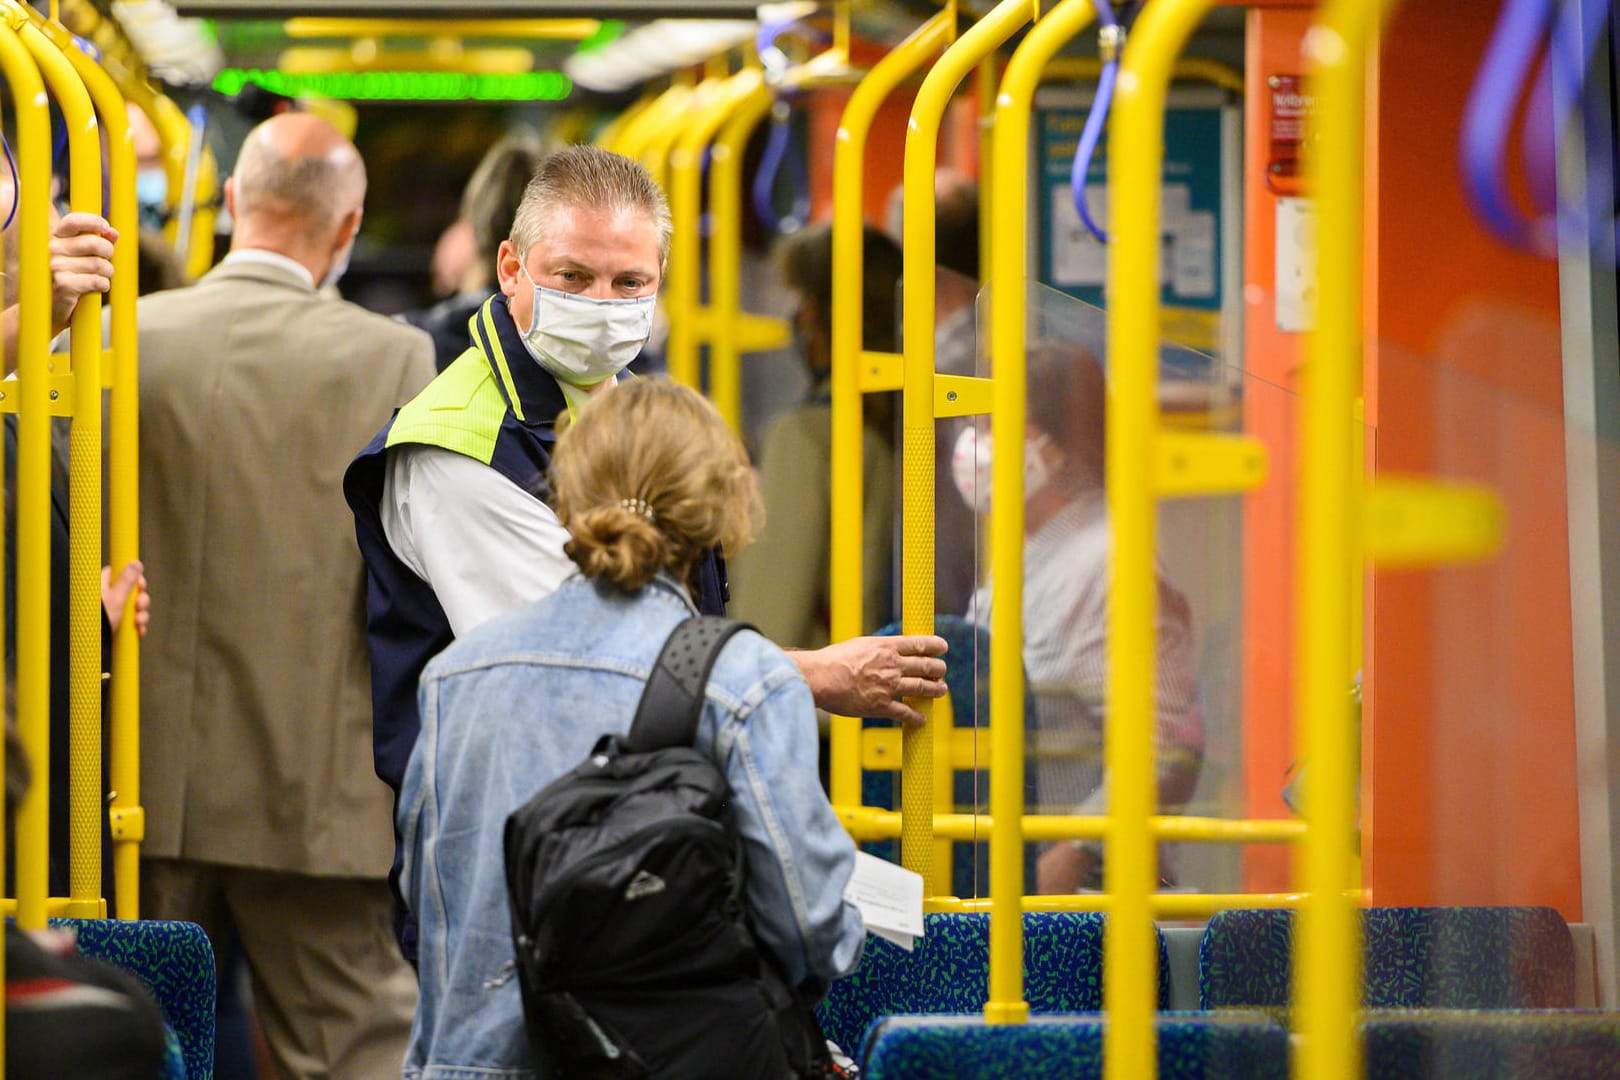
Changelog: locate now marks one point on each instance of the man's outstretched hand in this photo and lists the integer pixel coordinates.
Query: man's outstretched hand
(871, 676)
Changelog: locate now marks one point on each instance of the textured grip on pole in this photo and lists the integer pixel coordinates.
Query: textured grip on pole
(917, 574)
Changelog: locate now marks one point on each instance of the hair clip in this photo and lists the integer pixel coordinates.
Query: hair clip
(637, 506)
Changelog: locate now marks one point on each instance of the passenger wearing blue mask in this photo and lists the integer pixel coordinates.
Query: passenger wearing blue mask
(450, 498)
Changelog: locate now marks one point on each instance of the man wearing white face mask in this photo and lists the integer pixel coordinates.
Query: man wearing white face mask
(254, 392)
(1066, 543)
(449, 498)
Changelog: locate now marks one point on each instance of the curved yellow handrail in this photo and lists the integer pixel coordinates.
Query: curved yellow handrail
(1008, 260)
(634, 136)
(34, 462)
(660, 143)
(1328, 961)
(725, 252)
(608, 136)
(921, 788)
(523, 29)
(845, 510)
(683, 293)
(123, 480)
(84, 499)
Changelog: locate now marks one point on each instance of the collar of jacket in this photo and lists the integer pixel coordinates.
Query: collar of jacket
(533, 396)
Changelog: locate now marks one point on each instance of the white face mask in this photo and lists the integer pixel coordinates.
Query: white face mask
(340, 266)
(582, 341)
(970, 467)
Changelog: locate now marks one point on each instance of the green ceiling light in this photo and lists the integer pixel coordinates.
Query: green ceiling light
(402, 85)
(607, 31)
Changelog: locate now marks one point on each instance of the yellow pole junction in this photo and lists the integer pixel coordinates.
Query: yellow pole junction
(725, 315)
(84, 506)
(845, 496)
(1008, 271)
(33, 458)
(1136, 159)
(1328, 959)
(683, 293)
(123, 477)
(926, 785)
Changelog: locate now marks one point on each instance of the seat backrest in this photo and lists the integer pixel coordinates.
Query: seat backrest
(176, 961)
(1462, 958)
(1417, 1044)
(947, 972)
(1190, 1047)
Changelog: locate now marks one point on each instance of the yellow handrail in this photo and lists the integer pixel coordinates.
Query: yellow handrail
(84, 497)
(1135, 160)
(725, 252)
(1008, 259)
(637, 132)
(845, 510)
(33, 460)
(530, 29)
(920, 788)
(1328, 960)
(683, 293)
(608, 137)
(660, 142)
(123, 479)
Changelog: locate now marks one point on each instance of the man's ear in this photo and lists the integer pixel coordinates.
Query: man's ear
(508, 268)
(349, 228)
(230, 196)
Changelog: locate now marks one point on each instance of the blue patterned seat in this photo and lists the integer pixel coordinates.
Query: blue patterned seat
(1456, 958)
(948, 972)
(1190, 1047)
(967, 676)
(176, 960)
(1523, 1045)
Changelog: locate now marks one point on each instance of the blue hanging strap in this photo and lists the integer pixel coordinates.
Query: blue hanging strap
(780, 149)
(1110, 40)
(16, 185)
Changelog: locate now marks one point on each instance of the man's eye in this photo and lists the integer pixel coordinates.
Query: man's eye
(632, 284)
(568, 275)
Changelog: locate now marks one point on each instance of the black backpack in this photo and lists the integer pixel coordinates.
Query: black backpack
(625, 877)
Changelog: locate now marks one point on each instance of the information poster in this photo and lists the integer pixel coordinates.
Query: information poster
(1192, 250)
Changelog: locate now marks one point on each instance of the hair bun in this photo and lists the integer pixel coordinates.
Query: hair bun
(619, 543)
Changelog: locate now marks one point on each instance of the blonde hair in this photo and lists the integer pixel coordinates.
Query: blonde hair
(646, 478)
(588, 177)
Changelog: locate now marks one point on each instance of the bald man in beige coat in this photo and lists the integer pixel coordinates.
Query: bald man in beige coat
(261, 803)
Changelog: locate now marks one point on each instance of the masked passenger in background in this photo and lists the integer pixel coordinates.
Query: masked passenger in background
(1066, 543)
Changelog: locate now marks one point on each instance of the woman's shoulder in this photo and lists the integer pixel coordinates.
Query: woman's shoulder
(749, 669)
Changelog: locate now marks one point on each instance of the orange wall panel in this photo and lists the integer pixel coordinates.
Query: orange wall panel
(1471, 714)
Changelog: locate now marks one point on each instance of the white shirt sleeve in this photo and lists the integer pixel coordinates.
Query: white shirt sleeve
(482, 543)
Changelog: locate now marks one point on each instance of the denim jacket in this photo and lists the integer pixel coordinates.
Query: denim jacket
(522, 699)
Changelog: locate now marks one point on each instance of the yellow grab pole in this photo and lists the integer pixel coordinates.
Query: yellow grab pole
(845, 496)
(84, 506)
(608, 137)
(684, 294)
(1135, 161)
(918, 793)
(1328, 960)
(657, 117)
(725, 252)
(660, 142)
(123, 480)
(33, 461)
(1008, 259)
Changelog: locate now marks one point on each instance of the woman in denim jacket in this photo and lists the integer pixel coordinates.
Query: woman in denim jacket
(646, 479)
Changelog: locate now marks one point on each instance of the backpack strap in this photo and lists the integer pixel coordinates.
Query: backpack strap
(672, 703)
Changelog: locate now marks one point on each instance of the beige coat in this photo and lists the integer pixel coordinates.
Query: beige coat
(255, 692)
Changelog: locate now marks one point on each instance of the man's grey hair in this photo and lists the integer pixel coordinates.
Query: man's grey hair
(315, 190)
(589, 178)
